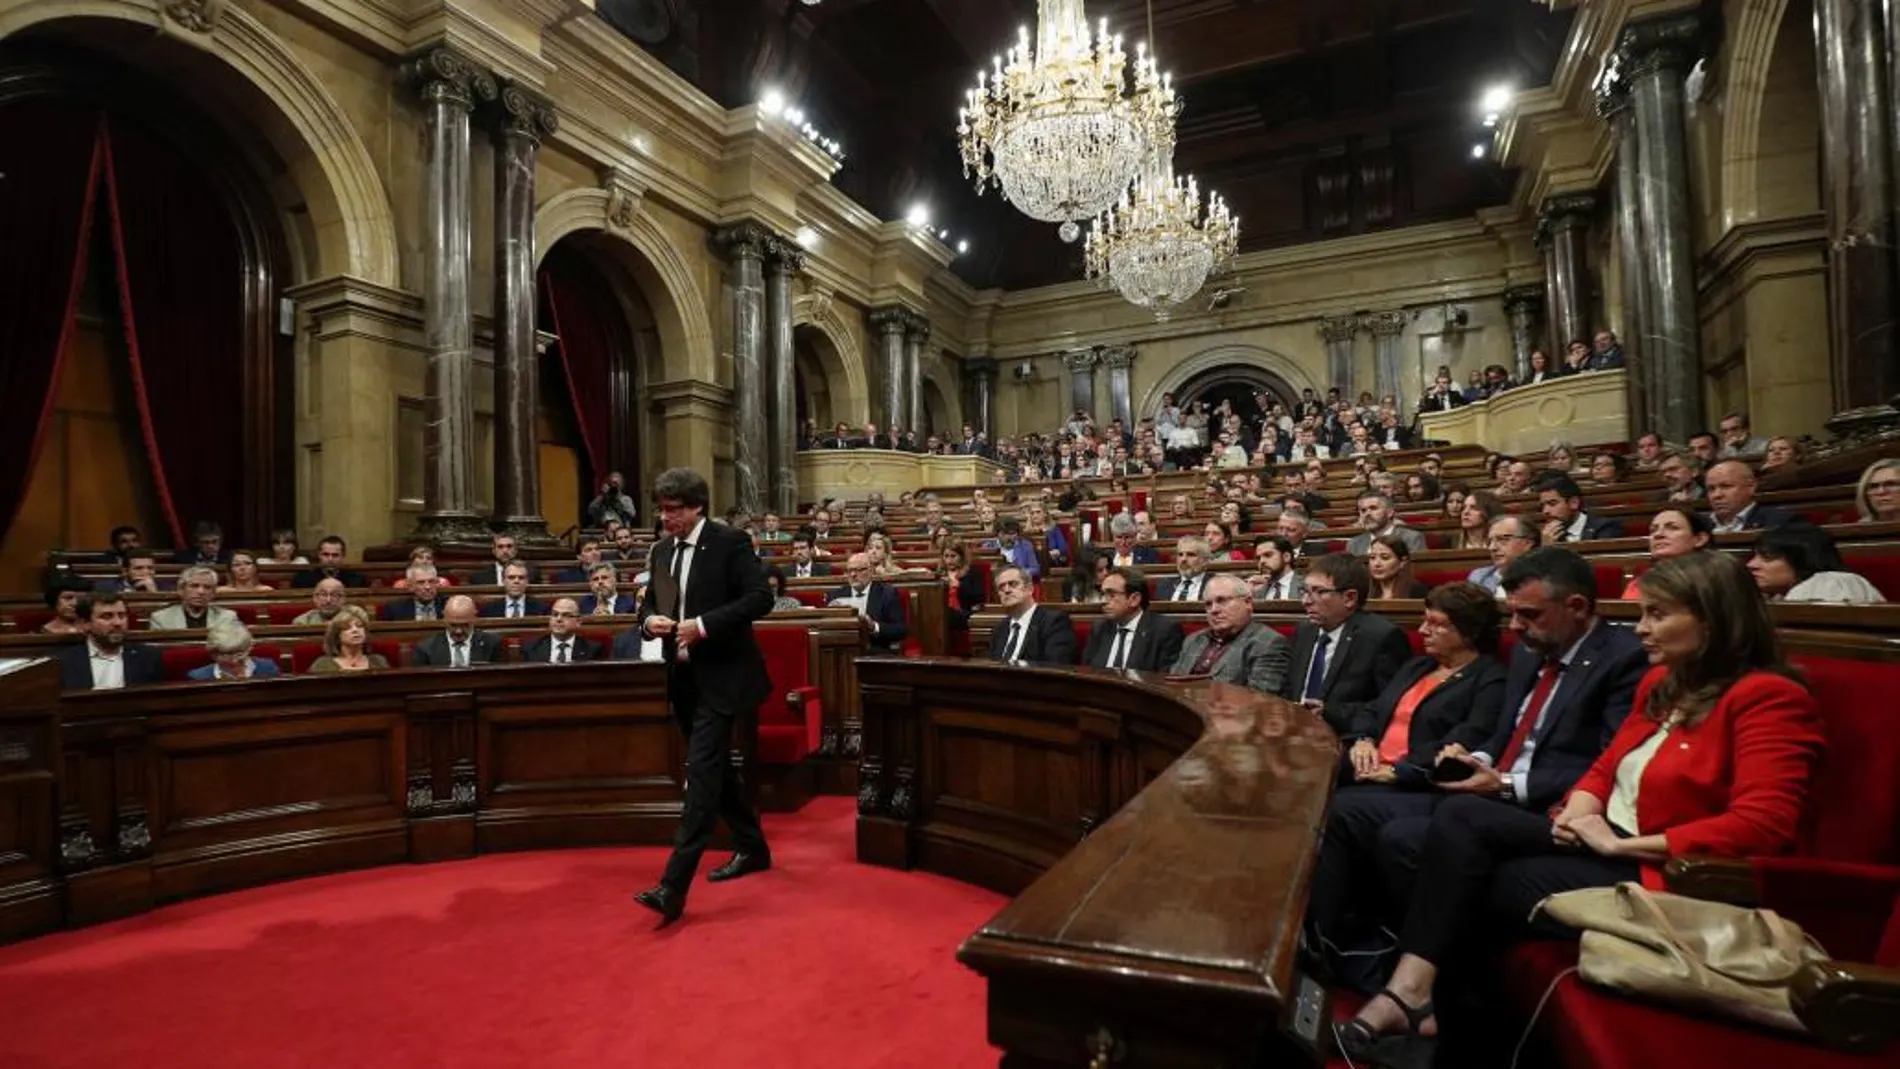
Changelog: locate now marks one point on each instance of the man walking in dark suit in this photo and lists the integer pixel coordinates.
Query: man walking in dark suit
(564, 643)
(106, 661)
(875, 603)
(1028, 633)
(707, 588)
(1130, 636)
(1341, 653)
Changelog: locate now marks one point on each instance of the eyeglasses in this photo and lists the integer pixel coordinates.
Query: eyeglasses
(1316, 592)
(1113, 592)
(1498, 540)
(1883, 486)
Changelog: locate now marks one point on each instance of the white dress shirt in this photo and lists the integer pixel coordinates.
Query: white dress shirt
(1188, 588)
(1013, 653)
(561, 651)
(1520, 771)
(1123, 644)
(108, 669)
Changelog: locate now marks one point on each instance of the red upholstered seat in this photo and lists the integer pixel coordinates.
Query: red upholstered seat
(1880, 569)
(1416, 639)
(791, 717)
(303, 655)
(601, 637)
(286, 612)
(1610, 581)
(1853, 809)
(983, 569)
(175, 662)
(811, 596)
(1436, 577)
(31, 619)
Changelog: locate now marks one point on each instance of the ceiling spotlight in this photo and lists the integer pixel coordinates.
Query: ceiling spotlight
(794, 116)
(1491, 119)
(943, 235)
(772, 103)
(1496, 99)
(806, 237)
(919, 215)
(963, 246)
(1477, 151)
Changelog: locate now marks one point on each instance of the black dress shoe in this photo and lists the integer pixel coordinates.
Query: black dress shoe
(660, 899)
(741, 864)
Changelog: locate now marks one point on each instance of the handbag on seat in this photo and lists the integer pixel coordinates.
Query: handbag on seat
(1710, 956)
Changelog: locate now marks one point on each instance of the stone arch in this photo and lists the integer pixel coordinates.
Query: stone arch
(1754, 41)
(1277, 368)
(679, 309)
(841, 354)
(349, 209)
(943, 394)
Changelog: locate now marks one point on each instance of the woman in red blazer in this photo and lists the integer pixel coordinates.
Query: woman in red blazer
(1715, 757)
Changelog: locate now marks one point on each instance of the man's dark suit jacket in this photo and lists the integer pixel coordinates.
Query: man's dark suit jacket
(142, 665)
(1156, 645)
(1370, 652)
(190, 557)
(495, 610)
(818, 568)
(490, 574)
(1594, 528)
(1051, 639)
(1470, 698)
(1761, 517)
(1593, 696)
(622, 604)
(405, 609)
(726, 591)
(881, 605)
(310, 577)
(583, 649)
(1145, 556)
(483, 648)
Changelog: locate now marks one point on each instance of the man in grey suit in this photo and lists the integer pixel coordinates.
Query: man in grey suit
(1378, 520)
(1233, 648)
(460, 645)
(197, 585)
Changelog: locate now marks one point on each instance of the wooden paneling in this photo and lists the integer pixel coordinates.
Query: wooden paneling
(29, 765)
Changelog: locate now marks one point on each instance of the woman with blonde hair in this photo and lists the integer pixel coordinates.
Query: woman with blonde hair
(346, 644)
(1878, 495)
(1562, 457)
(1782, 452)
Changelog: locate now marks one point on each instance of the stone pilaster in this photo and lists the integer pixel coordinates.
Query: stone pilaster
(1524, 309)
(1338, 333)
(449, 86)
(1120, 362)
(1566, 221)
(916, 338)
(979, 386)
(520, 121)
(1632, 263)
(1080, 365)
(744, 245)
(783, 262)
(889, 324)
(1388, 336)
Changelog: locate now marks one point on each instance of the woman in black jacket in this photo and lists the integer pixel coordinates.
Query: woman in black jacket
(1391, 744)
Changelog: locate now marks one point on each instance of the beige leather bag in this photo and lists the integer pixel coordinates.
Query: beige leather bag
(1708, 956)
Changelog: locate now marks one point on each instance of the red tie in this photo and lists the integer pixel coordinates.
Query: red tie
(1540, 694)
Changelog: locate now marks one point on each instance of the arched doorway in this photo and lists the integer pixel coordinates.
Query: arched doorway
(1247, 389)
(144, 331)
(810, 352)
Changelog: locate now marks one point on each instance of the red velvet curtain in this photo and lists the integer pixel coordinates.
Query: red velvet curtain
(586, 353)
(49, 167)
(181, 282)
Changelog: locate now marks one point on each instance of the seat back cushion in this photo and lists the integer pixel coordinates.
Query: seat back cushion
(1853, 810)
(176, 662)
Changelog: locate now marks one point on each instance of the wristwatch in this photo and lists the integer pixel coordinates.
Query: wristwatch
(1508, 791)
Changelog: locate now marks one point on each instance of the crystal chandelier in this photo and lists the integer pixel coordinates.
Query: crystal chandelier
(1155, 246)
(1051, 125)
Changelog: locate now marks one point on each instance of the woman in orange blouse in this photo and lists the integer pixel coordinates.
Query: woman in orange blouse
(1715, 758)
(1672, 533)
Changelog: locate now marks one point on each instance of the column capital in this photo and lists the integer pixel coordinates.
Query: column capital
(1668, 43)
(1118, 356)
(198, 16)
(1612, 96)
(979, 366)
(1080, 360)
(442, 75)
(748, 239)
(1339, 328)
(1527, 298)
(890, 319)
(1566, 210)
(518, 113)
(916, 326)
(783, 257)
(1387, 324)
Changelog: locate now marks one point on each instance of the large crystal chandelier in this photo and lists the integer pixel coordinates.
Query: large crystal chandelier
(1155, 245)
(1051, 125)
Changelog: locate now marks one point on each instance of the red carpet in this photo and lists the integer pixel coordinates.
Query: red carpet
(523, 960)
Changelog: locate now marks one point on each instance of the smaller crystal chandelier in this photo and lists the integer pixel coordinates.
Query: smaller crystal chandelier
(1155, 246)
(1050, 125)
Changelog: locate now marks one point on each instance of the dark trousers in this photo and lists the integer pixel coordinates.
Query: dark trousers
(1485, 864)
(714, 789)
(1346, 876)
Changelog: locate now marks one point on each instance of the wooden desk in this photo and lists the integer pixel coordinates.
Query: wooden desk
(1161, 836)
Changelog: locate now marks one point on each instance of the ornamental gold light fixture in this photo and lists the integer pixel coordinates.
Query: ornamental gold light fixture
(1056, 124)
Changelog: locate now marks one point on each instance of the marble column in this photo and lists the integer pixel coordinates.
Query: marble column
(744, 245)
(979, 377)
(1858, 193)
(1081, 366)
(889, 325)
(1120, 361)
(1632, 260)
(450, 86)
(916, 337)
(1567, 220)
(1388, 332)
(521, 121)
(783, 260)
(1338, 333)
(1524, 309)
(1657, 54)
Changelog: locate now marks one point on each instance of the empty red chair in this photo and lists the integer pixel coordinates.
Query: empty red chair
(792, 715)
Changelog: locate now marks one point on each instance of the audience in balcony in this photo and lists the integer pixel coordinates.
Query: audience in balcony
(1797, 561)
(328, 597)
(197, 586)
(1234, 648)
(243, 575)
(346, 644)
(1877, 497)
(1391, 742)
(1389, 566)
(106, 661)
(1606, 353)
(1541, 371)
(230, 647)
(1730, 485)
(1674, 532)
(63, 596)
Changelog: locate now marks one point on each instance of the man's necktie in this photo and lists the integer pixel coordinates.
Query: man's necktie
(514, 610)
(1190, 587)
(1316, 674)
(1540, 696)
(560, 655)
(1015, 639)
(459, 659)
(679, 564)
(1119, 657)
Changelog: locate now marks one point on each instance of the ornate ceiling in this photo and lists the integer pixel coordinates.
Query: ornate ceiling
(1314, 118)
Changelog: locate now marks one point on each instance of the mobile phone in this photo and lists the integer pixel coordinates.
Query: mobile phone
(1453, 769)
